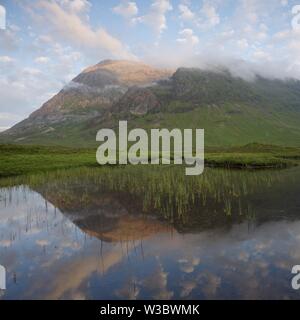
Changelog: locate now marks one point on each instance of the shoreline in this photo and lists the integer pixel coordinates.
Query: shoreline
(26, 160)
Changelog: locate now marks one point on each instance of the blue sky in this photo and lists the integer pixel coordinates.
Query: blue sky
(48, 42)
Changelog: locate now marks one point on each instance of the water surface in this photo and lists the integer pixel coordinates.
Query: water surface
(140, 233)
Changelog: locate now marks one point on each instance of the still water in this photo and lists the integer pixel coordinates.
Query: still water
(135, 233)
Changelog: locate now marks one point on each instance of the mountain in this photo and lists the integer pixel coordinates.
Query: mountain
(86, 97)
(233, 111)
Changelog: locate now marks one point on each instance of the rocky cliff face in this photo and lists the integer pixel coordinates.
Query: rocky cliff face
(95, 92)
(136, 101)
(122, 72)
(101, 86)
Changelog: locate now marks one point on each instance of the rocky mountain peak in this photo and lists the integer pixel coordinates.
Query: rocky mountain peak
(128, 73)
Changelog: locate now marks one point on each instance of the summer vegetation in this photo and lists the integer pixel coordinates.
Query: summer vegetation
(22, 160)
(164, 191)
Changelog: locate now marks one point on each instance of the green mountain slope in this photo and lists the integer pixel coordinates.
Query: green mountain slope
(231, 110)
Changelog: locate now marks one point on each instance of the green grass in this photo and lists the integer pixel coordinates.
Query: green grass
(226, 125)
(198, 201)
(253, 155)
(232, 124)
(246, 160)
(23, 160)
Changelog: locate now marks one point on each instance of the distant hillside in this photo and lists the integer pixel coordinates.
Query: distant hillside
(231, 110)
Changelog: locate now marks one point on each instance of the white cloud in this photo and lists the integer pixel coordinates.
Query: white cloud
(185, 12)
(187, 36)
(281, 35)
(243, 44)
(261, 55)
(42, 60)
(78, 6)
(8, 116)
(6, 59)
(205, 17)
(261, 36)
(2, 18)
(23, 89)
(7, 119)
(211, 17)
(263, 27)
(68, 25)
(8, 40)
(227, 34)
(74, 6)
(156, 17)
(126, 9)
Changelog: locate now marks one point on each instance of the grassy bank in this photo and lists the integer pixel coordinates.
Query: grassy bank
(253, 156)
(20, 160)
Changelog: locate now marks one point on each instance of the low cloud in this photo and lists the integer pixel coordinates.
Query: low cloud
(213, 60)
(188, 37)
(3, 128)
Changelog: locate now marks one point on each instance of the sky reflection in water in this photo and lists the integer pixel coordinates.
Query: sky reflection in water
(110, 249)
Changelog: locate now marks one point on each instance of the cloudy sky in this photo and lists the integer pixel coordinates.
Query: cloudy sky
(48, 42)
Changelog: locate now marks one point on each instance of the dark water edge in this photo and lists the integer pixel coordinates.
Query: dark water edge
(151, 233)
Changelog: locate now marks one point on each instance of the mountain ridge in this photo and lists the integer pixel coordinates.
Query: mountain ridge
(232, 110)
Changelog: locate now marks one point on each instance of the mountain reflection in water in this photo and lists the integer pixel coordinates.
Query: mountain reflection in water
(140, 233)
